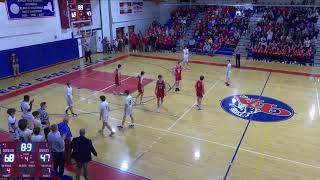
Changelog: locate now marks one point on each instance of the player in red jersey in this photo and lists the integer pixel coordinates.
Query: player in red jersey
(117, 79)
(160, 91)
(140, 86)
(199, 92)
(178, 75)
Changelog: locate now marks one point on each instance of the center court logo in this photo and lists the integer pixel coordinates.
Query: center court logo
(257, 108)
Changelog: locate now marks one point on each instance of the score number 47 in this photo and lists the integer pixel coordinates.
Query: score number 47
(45, 157)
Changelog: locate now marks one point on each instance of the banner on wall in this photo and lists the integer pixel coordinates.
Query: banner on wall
(130, 7)
(18, 9)
(125, 7)
(137, 7)
(64, 14)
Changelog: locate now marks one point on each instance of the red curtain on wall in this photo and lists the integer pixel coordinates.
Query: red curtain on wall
(157, 2)
(64, 19)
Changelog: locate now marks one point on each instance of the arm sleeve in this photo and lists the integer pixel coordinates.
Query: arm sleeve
(92, 149)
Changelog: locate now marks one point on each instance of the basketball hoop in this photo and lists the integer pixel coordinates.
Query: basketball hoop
(85, 33)
(82, 33)
(80, 29)
(76, 30)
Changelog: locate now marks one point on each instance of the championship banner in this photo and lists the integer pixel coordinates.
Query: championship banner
(125, 7)
(19, 9)
(64, 14)
(137, 7)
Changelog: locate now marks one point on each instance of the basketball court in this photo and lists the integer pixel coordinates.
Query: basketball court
(182, 142)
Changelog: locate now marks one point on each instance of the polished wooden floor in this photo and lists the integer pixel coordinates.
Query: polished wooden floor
(184, 143)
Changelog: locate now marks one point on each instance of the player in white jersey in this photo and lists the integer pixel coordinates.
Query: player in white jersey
(185, 57)
(26, 108)
(128, 107)
(69, 99)
(228, 73)
(104, 115)
(12, 123)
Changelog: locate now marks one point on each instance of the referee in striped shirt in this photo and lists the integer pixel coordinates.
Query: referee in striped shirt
(44, 118)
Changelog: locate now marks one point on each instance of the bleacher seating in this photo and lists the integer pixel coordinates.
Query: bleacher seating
(165, 37)
(285, 34)
(220, 30)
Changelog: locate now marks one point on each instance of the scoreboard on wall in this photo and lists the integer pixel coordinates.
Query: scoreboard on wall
(75, 12)
(25, 160)
(80, 11)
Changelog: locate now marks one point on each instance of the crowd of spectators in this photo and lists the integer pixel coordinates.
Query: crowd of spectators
(286, 34)
(119, 44)
(165, 37)
(137, 42)
(221, 27)
(159, 37)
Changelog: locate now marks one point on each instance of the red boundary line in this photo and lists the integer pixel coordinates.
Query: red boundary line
(242, 67)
